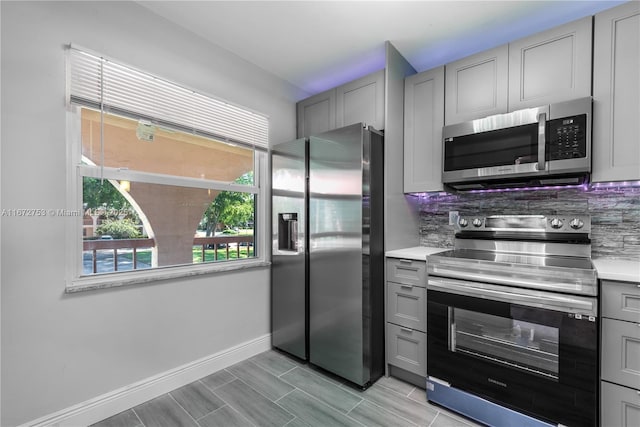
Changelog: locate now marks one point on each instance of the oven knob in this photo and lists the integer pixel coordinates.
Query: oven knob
(576, 223)
(463, 222)
(556, 223)
(477, 222)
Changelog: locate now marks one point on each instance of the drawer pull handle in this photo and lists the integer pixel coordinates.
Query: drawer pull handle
(408, 261)
(411, 287)
(410, 331)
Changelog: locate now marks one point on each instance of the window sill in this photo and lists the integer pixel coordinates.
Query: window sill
(116, 280)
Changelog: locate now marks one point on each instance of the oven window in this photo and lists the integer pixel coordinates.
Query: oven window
(522, 345)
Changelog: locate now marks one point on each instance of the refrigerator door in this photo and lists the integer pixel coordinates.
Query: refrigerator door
(288, 261)
(339, 308)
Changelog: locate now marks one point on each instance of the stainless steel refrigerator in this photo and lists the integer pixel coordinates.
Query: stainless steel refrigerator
(328, 251)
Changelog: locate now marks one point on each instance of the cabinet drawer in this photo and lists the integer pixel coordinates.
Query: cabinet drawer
(407, 349)
(620, 406)
(407, 306)
(621, 352)
(407, 271)
(621, 300)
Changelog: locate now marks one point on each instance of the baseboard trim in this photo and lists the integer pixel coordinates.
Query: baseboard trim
(112, 403)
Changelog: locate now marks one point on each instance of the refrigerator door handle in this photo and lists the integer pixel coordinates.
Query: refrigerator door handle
(293, 235)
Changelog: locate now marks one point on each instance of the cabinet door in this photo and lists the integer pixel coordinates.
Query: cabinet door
(317, 114)
(621, 352)
(620, 406)
(407, 349)
(476, 86)
(423, 121)
(407, 271)
(407, 306)
(361, 100)
(621, 300)
(552, 66)
(616, 94)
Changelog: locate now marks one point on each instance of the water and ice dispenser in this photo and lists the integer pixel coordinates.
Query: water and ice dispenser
(288, 232)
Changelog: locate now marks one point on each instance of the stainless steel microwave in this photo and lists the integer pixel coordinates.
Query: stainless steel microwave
(548, 145)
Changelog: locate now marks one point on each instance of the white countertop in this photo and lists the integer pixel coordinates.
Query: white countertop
(617, 269)
(418, 253)
(607, 268)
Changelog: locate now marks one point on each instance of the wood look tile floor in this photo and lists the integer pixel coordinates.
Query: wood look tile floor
(271, 389)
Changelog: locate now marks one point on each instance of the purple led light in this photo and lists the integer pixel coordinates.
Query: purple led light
(583, 187)
(549, 187)
(617, 184)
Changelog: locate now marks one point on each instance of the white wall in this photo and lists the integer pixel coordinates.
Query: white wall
(57, 349)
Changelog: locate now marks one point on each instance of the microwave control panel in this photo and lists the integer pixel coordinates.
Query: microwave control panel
(567, 138)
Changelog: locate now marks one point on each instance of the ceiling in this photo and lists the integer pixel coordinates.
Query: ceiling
(317, 45)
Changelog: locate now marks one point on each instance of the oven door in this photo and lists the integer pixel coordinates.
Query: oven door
(528, 350)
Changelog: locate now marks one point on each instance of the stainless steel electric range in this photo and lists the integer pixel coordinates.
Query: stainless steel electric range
(512, 322)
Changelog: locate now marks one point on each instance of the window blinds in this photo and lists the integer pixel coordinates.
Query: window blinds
(103, 84)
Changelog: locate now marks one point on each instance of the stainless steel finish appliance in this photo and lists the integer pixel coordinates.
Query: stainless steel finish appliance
(289, 272)
(548, 145)
(328, 254)
(512, 321)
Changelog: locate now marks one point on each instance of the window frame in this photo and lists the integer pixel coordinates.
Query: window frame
(76, 281)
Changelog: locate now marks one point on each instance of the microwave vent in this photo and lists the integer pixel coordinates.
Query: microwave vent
(555, 181)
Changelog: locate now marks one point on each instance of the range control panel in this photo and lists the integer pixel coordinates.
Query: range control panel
(526, 223)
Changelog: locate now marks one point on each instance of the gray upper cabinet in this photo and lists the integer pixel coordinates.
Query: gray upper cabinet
(548, 67)
(616, 94)
(317, 114)
(361, 101)
(476, 86)
(423, 121)
(552, 66)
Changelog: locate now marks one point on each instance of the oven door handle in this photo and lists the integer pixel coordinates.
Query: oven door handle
(459, 270)
(521, 296)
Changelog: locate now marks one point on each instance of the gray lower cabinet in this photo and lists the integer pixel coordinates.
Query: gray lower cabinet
(407, 349)
(621, 300)
(621, 348)
(620, 406)
(405, 305)
(406, 314)
(407, 271)
(620, 358)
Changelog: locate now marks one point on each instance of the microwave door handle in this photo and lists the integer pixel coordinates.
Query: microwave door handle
(542, 129)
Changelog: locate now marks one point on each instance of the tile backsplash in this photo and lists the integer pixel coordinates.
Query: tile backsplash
(614, 211)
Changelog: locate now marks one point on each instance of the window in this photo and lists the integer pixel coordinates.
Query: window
(167, 181)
